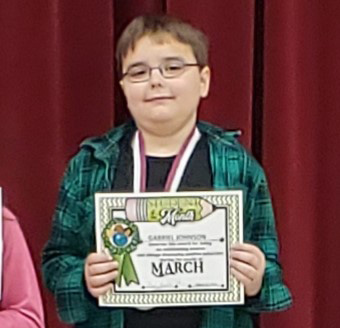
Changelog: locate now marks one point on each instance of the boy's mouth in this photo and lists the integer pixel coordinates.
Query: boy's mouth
(157, 98)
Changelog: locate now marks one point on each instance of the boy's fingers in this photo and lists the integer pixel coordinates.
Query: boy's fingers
(102, 280)
(245, 257)
(96, 292)
(245, 269)
(97, 258)
(101, 268)
(245, 247)
(240, 277)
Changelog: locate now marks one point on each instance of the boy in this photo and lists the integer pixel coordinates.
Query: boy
(164, 73)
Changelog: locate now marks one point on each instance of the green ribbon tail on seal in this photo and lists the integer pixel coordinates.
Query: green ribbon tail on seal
(126, 270)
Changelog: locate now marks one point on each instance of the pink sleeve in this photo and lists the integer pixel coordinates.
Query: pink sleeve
(20, 304)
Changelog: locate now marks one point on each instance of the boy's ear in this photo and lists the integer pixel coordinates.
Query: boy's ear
(205, 75)
(121, 83)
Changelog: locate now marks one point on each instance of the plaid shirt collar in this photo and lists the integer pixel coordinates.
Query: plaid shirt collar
(106, 145)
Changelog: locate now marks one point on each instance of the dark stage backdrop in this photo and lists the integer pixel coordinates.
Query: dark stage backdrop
(58, 86)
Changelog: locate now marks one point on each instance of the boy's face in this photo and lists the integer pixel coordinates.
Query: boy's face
(164, 105)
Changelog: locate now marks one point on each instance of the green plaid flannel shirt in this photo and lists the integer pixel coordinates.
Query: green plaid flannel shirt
(73, 238)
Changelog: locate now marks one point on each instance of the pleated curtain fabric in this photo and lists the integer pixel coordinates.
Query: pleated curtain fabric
(58, 85)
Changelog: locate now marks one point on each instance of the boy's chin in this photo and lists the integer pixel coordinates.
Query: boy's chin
(161, 117)
(166, 127)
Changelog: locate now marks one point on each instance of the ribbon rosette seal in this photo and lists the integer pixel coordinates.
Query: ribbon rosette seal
(121, 237)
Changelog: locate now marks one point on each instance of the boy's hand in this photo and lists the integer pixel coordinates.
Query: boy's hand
(247, 264)
(100, 271)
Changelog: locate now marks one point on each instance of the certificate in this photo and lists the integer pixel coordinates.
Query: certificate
(172, 248)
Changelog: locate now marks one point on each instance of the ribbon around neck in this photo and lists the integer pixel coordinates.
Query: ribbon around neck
(177, 169)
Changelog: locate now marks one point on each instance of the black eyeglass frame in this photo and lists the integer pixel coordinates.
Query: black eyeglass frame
(160, 68)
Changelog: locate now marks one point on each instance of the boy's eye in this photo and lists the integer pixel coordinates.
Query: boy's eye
(173, 67)
(138, 71)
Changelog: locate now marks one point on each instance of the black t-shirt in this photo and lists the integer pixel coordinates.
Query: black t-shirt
(197, 176)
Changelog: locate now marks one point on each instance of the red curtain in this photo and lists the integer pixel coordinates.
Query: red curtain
(301, 153)
(58, 86)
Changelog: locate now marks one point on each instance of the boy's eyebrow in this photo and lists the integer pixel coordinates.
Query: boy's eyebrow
(173, 58)
(163, 59)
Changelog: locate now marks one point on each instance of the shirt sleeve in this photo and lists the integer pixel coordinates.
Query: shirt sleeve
(65, 252)
(274, 294)
(21, 304)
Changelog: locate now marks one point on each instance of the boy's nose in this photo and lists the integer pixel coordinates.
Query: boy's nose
(156, 77)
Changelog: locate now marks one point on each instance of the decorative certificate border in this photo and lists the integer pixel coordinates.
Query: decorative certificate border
(105, 203)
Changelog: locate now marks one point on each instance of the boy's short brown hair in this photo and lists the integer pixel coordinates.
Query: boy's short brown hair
(156, 25)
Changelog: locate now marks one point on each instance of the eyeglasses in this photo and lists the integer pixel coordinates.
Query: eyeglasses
(169, 69)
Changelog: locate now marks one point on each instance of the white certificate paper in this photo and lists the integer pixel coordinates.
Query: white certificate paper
(172, 248)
